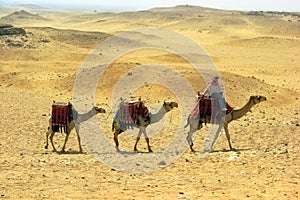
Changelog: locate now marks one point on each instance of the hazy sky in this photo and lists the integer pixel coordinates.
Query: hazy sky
(273, 5)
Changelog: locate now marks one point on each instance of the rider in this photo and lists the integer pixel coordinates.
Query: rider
(214, 90)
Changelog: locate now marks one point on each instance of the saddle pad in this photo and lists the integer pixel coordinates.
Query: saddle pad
(208, 106)
(129, 111)
(61, 113)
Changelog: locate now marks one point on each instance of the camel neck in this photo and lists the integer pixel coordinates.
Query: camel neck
(156, 117)
(242, 111)
(86, 116)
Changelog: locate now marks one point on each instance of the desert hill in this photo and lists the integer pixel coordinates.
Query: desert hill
(255, 53)
(21, 15)
(190, 10)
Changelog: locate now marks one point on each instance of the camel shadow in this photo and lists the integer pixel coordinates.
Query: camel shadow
(228, 150)
(225, 150)
(132, 152)
(69, 152)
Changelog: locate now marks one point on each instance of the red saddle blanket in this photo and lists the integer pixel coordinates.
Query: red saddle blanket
(61, 114)
(130, 110)
(207, 106)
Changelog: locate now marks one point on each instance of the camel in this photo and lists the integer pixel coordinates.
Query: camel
(143, 123)
(75, 123)
(197, 124)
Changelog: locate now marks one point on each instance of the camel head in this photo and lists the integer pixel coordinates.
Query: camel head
(99, 110)
(168, 106)
(257, 99)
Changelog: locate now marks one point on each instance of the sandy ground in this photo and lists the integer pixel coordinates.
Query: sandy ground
(256, 55)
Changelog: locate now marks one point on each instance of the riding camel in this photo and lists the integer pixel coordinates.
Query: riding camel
(197, 123)
(74, 123)
(142, 124)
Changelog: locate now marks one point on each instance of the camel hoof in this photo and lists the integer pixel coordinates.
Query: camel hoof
(135, 150)
(46, 147)
(117, 148)
(150, 150)
(192, 150)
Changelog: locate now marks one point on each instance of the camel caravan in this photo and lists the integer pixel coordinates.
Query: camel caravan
(210, 107)
(131, 114)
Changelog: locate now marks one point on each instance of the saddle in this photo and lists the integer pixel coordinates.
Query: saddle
(129, 111)
(62, 115)
(207, 107)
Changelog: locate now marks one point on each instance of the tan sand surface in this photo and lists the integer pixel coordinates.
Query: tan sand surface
(256, 55)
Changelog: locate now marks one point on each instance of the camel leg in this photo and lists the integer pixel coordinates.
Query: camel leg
(189, 140)
(193, 128)
(118, 131)
(216, 136)
(51, 140)
(146, 137)
(137, 140)
(190, 133)
(47, 135)
(116, 134)
(149, 148)
(227, 135)
(78, 137)
(66, 139)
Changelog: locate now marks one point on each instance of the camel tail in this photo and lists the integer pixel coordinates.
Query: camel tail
(188, 121)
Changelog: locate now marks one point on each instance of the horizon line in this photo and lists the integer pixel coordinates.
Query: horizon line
(119, 8)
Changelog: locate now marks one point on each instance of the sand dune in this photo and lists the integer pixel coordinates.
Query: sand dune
(256, 54)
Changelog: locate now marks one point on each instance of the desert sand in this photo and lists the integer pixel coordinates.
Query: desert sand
(256, 54)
